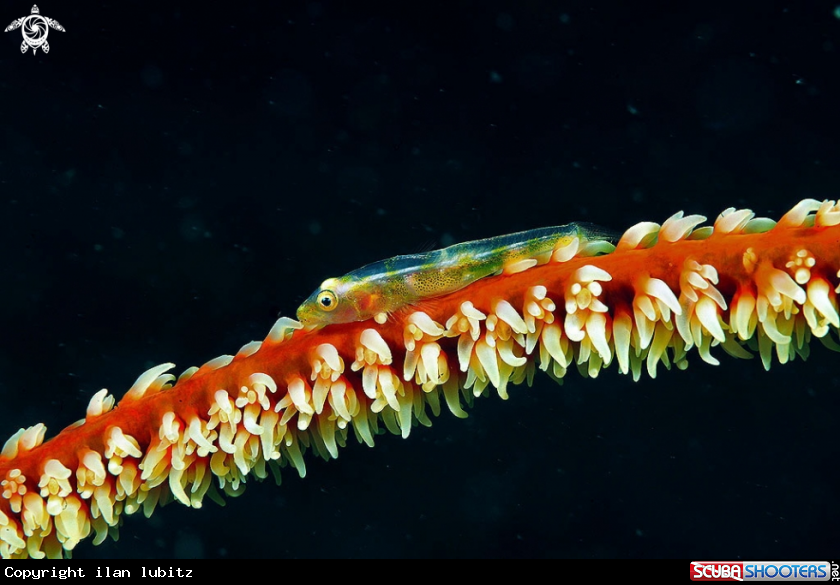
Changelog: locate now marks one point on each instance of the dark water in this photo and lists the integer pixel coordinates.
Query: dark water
(172, 177)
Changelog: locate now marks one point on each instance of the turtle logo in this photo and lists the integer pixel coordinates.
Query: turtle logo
(35, 29)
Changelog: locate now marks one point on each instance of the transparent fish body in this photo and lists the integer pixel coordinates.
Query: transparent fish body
(380, 288)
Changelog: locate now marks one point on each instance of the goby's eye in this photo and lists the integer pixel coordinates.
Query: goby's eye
(327, 300)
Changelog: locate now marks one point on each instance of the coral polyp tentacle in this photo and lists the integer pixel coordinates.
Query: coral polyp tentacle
(662, 293)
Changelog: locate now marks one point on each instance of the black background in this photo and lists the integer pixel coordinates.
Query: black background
(173, 176)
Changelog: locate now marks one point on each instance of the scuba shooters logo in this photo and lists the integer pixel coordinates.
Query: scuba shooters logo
(35, 29)
(764, 571)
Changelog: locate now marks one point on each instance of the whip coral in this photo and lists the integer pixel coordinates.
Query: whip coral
(664, 292)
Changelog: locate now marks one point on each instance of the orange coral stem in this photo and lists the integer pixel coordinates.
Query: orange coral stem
(662, 291)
